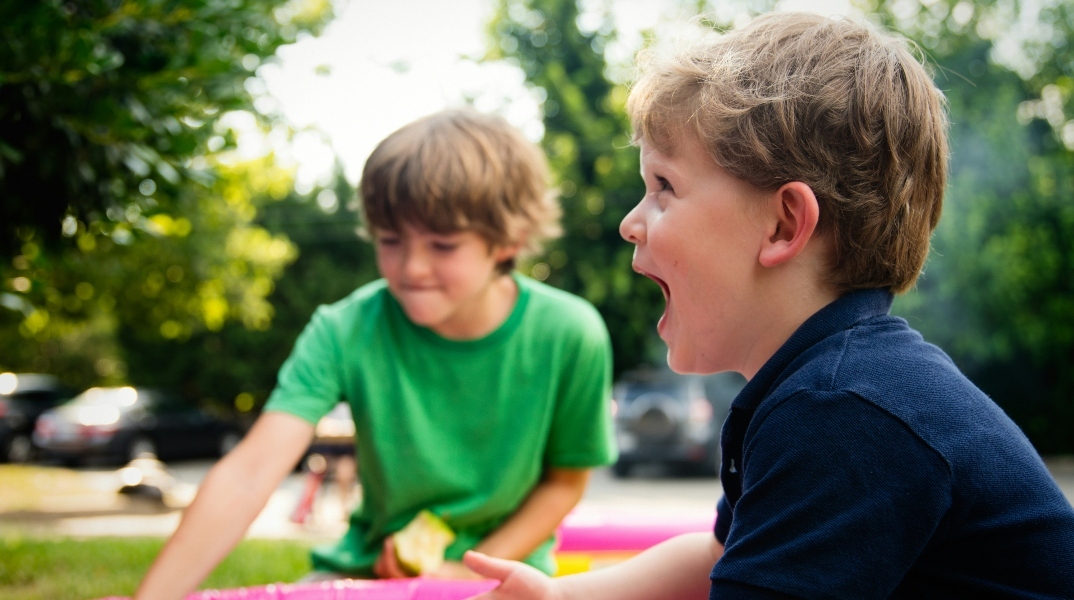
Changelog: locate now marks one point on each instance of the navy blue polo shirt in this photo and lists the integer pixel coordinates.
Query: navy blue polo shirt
(860, 463)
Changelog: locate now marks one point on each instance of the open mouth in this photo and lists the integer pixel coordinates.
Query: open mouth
(663, 324)
(660, 282)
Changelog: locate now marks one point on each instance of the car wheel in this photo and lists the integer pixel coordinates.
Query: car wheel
(228, 441)
(20, 450)
(622, 468)
(141, 446)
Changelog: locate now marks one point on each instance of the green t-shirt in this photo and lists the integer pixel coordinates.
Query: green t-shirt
(461, 428)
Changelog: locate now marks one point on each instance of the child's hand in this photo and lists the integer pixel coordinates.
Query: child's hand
(519, 581)
(387, 566)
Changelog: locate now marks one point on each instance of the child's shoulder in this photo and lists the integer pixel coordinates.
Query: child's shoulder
(885, 360)
(884, 356)
(888, 366)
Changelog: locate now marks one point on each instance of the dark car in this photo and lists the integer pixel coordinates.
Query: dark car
(664, 417)
(124, 423)
(23, 397)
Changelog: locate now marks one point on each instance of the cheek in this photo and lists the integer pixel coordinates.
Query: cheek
(468, 265)
(671, 248)
(387, 263)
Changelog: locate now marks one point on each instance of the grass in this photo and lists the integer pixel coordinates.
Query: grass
(65, 568)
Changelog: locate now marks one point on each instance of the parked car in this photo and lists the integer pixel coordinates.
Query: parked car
(664, 417)
(124, 423)
(23, 397)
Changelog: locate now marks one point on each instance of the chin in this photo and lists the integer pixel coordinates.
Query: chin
(424, 318)
(679, 364)
(690, 365)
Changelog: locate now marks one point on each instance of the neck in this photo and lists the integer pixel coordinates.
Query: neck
(794, 301)
(485, 315)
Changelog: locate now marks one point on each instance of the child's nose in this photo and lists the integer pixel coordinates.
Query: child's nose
(415, 263)
(632, 229)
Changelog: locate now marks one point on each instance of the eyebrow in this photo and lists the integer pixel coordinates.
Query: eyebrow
(661, 169)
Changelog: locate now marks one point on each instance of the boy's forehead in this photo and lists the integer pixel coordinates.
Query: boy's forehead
(669, 154)
(651, 159)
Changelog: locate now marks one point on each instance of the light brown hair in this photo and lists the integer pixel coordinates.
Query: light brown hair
(461, 170)
(832, 103)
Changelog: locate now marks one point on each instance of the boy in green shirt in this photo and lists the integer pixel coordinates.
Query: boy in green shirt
(477, 393)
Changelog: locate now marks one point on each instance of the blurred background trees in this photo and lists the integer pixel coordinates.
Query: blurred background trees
(596, 169)
(136, 247)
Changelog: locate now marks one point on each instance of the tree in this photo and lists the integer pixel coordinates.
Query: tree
(123, 219)
(588, 144)
(104, 104)
(237, 366)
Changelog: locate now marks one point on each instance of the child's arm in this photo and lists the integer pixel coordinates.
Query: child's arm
(538, 516)
(677, 568)
(230, 498)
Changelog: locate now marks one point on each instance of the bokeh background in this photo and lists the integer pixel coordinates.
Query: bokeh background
(176, 178)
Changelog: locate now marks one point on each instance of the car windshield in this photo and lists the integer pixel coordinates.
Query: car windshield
(115, 397)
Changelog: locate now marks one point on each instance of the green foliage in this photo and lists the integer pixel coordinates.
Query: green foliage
(236, 366)
(120, 219)
(34, 568)
(106, 99)
(589, 148)
(156, 280)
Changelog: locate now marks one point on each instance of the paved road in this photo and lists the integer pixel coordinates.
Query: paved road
(90, 506)
(649, 492)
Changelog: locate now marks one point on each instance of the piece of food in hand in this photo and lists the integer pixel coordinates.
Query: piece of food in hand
(420, 545)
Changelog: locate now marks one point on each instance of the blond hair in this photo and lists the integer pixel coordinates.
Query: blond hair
(832, 103)
(461, 170)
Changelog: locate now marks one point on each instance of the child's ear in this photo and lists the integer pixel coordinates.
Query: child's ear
(505, 253)
(792, 215)
(509, 251)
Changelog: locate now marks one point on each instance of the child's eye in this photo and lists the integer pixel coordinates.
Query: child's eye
(444, 246)
(387, 241)
(664, 184)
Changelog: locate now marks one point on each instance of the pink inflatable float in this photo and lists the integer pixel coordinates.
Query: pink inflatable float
(591, 538)
(588, 539)
(627, 530)
(353, 589)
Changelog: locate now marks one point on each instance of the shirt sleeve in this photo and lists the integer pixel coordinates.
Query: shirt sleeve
(582, 432)
(723, 520)
(838, 500)
(309, 382)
